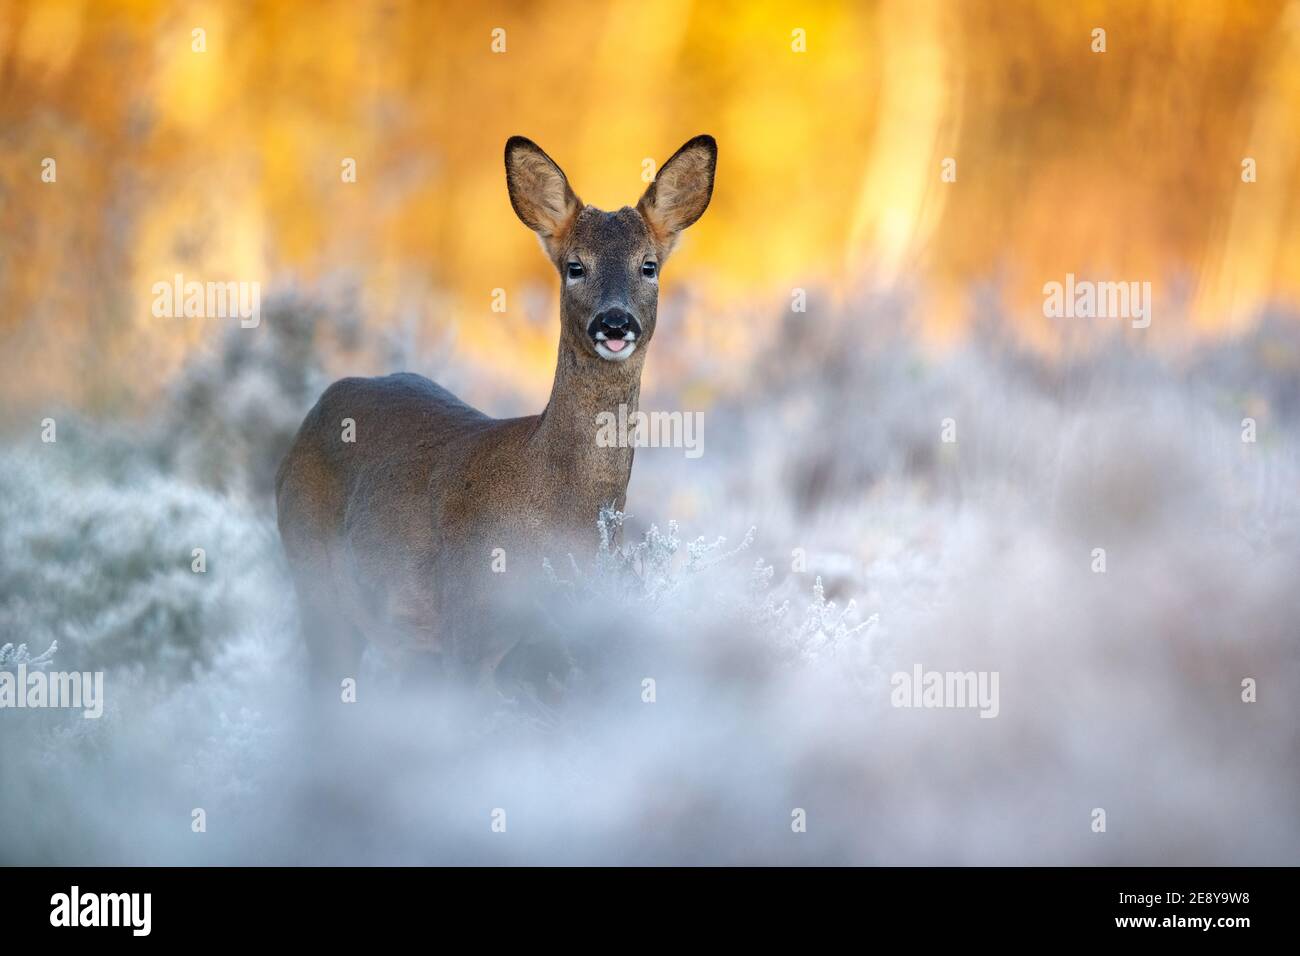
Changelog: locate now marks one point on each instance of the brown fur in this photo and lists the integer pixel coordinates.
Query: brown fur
(390, 537)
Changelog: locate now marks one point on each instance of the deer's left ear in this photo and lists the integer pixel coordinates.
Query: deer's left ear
(539, 191)
(681, 192)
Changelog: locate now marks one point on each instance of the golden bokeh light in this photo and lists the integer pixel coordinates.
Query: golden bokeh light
(224, 164)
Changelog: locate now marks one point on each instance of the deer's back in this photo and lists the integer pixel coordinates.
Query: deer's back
(373, 517)
(397, 423)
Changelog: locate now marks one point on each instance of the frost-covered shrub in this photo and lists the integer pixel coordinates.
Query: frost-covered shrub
(676, 603)
(105, 569)
(11, 657)
(231, 415)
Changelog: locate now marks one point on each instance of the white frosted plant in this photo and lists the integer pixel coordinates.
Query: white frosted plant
(11, 656)
(826, 628)
(653, 573)
(651, 565)
(763, 607)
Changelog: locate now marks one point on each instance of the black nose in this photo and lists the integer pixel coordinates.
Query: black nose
(615, 323)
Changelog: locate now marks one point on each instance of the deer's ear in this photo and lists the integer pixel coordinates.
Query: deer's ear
(539, 190)
(681, 192)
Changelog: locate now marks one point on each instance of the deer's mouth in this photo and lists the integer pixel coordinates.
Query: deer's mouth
(615, 350)
(614, 335)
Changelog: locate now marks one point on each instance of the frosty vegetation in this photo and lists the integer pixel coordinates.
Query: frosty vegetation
(11, 657)
(770, 685)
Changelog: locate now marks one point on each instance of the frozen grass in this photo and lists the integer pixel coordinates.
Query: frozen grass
(1119, 690)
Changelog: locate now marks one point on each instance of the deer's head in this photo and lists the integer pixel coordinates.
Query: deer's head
(609, 262)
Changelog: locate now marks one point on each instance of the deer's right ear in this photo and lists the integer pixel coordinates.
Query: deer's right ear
(681, 191)
(539, 191)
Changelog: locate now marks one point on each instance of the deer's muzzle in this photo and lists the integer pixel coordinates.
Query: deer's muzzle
(614, 332)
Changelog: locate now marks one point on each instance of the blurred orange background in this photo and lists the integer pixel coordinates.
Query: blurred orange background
(225, 164)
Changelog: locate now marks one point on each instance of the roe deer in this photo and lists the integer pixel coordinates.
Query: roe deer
(391, 536)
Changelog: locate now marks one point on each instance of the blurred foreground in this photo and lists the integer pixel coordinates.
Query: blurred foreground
(1119, 690)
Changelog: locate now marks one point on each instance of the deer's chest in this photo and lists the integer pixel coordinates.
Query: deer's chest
(534, 504)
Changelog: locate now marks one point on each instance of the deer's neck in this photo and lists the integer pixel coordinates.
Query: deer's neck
(572, 436)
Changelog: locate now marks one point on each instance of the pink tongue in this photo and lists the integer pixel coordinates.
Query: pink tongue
(615, 345)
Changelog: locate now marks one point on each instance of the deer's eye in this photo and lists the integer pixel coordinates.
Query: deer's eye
(576, 271)
(649, 269)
